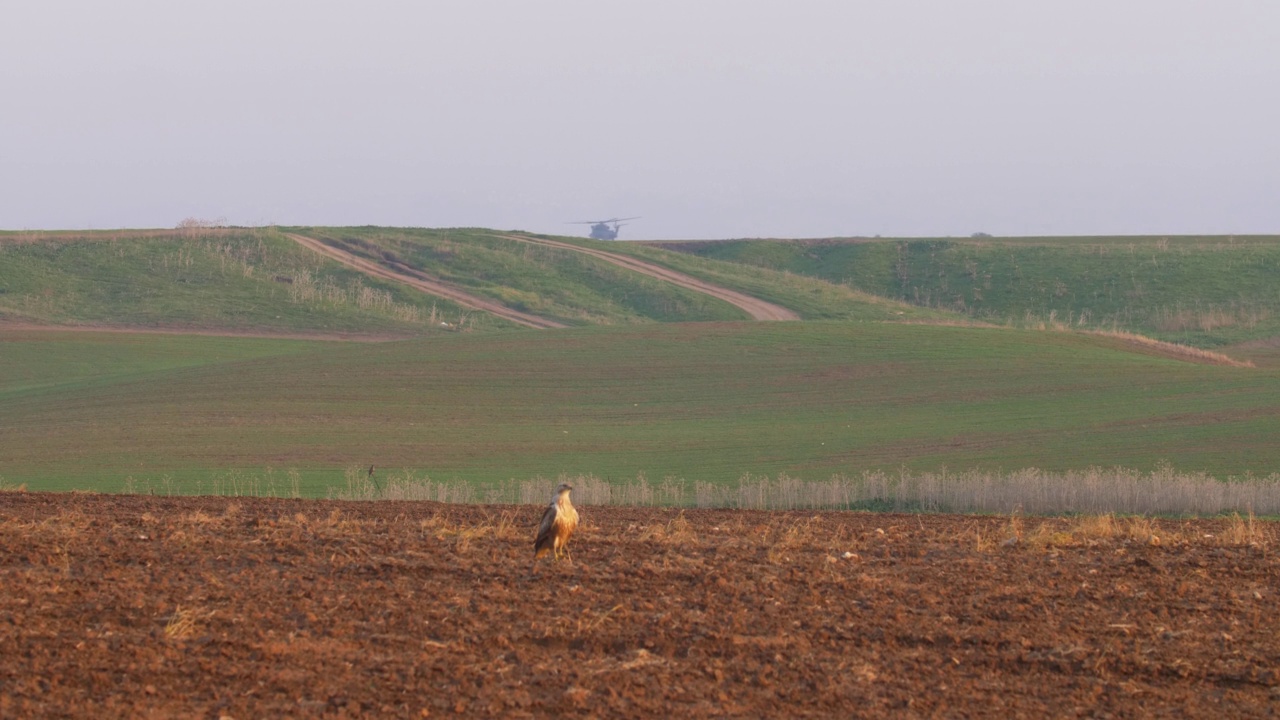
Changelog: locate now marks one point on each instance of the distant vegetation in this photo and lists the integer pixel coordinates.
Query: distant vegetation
(1162, 491)
(1201, 291)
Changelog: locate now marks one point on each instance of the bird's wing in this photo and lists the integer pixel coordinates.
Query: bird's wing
(544, 530)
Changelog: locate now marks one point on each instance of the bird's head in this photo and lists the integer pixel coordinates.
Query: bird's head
(564, 488)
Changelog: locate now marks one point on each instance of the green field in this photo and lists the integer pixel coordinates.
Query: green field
(1201, 291)
(699, 401)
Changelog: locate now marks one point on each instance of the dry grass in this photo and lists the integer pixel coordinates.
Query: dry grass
(199, 517)
(983, 542)
(1183, 352)
(506, 526)
(1208, 319)
(184, 623)
(1095, 491)
(1104, 529)
(676, 530)
(1243, 531)
(1096, 526)
(1144, 530)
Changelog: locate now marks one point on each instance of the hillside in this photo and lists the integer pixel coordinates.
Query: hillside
(579, 288)
(381, 282)
(1201, 291)
(209, 279)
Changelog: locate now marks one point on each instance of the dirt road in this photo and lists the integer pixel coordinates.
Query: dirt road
(139, 606)
(426, 284)
(755, 307)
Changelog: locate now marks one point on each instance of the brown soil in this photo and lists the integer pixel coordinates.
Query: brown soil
(755, 307)
(136, 606)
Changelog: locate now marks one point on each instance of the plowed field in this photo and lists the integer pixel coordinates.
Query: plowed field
(138, 606)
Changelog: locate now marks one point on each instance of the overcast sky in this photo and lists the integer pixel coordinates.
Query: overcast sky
(709, 118)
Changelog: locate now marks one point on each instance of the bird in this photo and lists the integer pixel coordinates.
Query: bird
(559, 521)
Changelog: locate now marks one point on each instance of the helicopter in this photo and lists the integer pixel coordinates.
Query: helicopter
(601, 230)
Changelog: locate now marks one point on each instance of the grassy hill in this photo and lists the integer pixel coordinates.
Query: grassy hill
(259, 280)
(251, 280)
(580, 289)
(1201, 291)
(564, 286)
(701, 401)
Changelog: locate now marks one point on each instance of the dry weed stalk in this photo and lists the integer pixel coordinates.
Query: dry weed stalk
(1092, 529)
(1096, 526)
(790, 536)
(1143, 530)
(183, 623)
(1243, 531)
(505, 528)
(586, 626)
(442, 528)
(982, 542)
(62, 559)
(1046, 535)
(680, 529)
(199, 517)
(1161, 491)
(675, 530)
(1013, 531)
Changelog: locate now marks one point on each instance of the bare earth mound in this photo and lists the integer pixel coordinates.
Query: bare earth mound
(133, 606)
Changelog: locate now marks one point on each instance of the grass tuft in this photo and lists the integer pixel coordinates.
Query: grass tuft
(184, 623)
(1243, 531)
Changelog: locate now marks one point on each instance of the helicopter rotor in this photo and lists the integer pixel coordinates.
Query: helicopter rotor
(610, 221)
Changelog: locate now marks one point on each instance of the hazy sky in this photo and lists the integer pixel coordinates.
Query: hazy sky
(709, 118)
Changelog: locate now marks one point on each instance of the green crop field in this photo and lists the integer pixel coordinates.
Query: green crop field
(1201, 291)
(700, 401)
